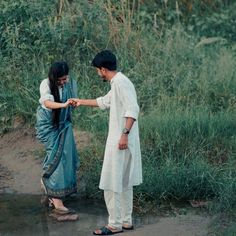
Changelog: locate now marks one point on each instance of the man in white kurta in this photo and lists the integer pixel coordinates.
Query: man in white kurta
(122, 101)
(122, 167)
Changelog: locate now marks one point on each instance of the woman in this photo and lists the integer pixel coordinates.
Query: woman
(54, 130)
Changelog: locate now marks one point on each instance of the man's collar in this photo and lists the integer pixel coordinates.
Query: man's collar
(114, 77)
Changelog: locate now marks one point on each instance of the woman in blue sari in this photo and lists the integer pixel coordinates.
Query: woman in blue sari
(54, 130)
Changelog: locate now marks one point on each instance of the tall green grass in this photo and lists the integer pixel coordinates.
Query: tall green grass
(189, 155)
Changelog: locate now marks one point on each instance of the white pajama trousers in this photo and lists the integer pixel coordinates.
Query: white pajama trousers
(120, 205)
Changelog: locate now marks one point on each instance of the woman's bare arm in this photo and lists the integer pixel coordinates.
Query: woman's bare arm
(57, 105)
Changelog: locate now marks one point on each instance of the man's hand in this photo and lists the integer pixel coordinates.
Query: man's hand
(123, 143)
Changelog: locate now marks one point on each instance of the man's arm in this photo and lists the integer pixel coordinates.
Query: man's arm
(123, 143)
(85, 102)
(129, 122)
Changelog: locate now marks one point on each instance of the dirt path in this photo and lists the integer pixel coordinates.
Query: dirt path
(21, 156)
(18, 160)
(182, 225)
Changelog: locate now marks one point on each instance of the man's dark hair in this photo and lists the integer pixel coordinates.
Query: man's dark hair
(105, 59)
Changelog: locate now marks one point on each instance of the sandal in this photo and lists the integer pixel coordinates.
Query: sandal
(105, 231)
(60, 211)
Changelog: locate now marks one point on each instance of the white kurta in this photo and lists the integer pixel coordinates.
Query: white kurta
(122, 101)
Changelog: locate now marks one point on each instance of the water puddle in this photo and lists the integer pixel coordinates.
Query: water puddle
(24, 215)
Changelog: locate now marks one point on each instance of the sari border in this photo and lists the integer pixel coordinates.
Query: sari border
(61, 193)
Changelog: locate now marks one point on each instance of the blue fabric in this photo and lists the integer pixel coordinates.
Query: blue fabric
(61, 161)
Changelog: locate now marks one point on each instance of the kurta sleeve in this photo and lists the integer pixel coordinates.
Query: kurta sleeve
(45, 93)
(128, 98)
(104, 102)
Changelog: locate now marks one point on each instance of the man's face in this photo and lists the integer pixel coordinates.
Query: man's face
(102, 73)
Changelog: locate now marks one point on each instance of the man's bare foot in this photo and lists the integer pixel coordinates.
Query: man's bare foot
(127, 227)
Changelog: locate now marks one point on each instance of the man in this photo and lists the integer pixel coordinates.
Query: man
(122, 167)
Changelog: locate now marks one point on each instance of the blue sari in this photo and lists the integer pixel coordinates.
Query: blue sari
(59, 176)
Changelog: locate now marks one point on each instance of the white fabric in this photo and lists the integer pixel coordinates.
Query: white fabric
(122, 101)
(45, 93)
(120, 207)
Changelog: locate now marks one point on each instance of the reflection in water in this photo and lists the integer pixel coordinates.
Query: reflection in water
(23, 215)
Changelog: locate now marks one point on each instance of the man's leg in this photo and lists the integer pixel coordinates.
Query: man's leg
(127, 194)
(113, 204)
(127, 207)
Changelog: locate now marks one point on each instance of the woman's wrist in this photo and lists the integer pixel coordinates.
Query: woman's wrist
(64, 105)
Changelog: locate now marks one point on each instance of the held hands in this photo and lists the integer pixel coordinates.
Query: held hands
(69, 102)
(123, 143)
(75, 102)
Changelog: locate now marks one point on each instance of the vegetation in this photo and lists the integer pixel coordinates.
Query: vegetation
(179, 54)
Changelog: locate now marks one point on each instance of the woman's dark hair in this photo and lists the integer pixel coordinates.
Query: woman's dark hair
(105, 59)
(57, 70)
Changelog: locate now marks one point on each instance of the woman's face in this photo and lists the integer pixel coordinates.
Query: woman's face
(62, 80)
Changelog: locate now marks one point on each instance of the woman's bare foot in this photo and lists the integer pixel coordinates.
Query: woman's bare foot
(58, 204)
